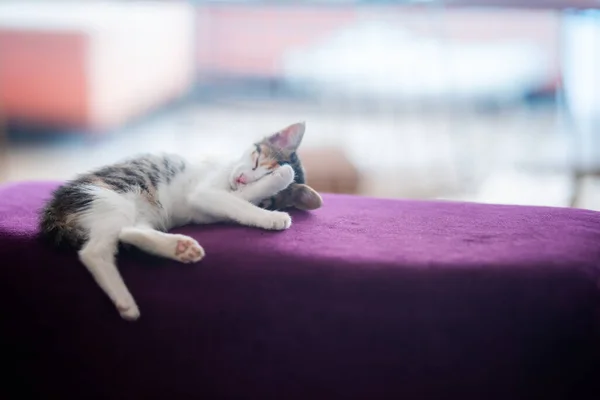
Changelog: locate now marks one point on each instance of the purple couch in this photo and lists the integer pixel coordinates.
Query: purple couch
(363, 299)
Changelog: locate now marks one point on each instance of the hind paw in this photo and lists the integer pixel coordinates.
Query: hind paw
(188, 250)
(128, 309)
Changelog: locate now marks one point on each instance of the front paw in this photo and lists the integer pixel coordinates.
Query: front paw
(284, 176)
(276, 221)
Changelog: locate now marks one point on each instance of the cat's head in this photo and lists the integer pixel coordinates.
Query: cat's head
(268, 154)
(265, 156)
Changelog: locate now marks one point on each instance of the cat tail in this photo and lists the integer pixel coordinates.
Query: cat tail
(60, 218)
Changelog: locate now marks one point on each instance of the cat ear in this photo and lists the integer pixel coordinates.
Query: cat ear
(288, 139)
(306, 198)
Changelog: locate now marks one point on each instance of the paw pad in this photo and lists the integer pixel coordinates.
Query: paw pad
(188, 250)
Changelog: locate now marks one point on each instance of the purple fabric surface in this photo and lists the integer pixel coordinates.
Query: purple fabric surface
(362, 299)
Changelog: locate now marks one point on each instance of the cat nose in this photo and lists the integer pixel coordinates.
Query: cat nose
(241, 179)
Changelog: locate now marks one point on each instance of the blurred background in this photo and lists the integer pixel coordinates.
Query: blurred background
(474, 100)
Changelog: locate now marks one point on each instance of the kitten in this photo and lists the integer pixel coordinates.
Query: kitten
(135, 202)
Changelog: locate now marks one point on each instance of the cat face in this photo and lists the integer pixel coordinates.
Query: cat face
(268, 154)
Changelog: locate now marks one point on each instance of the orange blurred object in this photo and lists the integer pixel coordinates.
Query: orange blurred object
(94, 65)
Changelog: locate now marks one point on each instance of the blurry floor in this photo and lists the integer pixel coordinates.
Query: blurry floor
(516, 156)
